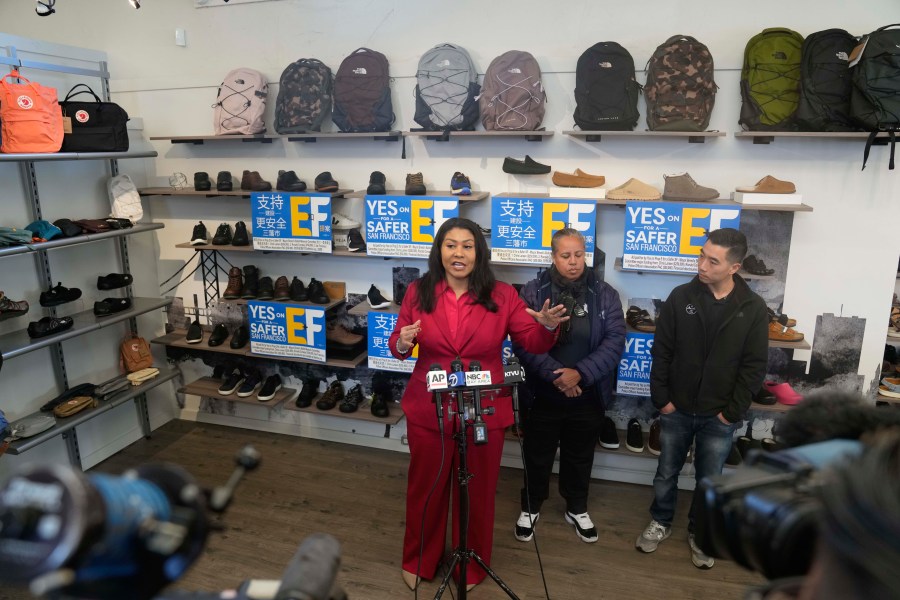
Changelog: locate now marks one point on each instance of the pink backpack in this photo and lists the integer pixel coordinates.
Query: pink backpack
(241, 103)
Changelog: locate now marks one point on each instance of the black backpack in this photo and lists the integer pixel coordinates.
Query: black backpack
(606, 91)
(304, 96)
(362, 93)
(825, 83)
(875, 99)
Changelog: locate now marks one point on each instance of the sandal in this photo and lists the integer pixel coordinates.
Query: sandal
(755, 266)
(639, 319)
(782, 318)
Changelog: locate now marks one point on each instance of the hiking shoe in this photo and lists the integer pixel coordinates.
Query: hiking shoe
(114, 281)
(254, 182)
(224, 182)
(609, 437)
(240, 338)
(49, 326)
(202, 182)
(297, 291)
(333, 395)
(59, 295)
(10, 309)
(683, 188)
(755, 266)
(240, 235)
(634, 437)
(266, 289)
(338, 334)
(415, 184)
(250, 385)
(525, 525)
(194, 332)
(376, 300)
(529, 166)
(650, 538)
(289, 182)
(325, 182)
(633, 190)
(219, 334)
(235, 284)
(356, 242)
(352, 399)
(584, 527)
(579, 179)
(316, 292)
(223, 235)
(335, 290)
(460, 185)
(232, 382)
(111, 306)
(200, 237)
(269, 388)
(282, 289)
(309, 391)
(653, 439)
(339, 221)
(251, 283)
(377, 184)
(700, 559)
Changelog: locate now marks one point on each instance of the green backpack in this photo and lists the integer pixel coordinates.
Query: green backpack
(770, 80)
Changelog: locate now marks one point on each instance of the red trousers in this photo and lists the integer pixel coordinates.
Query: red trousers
(425, 462)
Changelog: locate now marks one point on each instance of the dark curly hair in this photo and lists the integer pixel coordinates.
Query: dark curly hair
(828, 415)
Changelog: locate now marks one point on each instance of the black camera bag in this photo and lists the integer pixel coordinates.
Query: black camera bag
(96, 126)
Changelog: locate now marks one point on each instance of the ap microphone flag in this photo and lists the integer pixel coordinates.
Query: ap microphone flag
(436, 378)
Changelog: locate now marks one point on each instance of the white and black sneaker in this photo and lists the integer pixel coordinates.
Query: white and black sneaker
(356, 243)
(269, 388)
(200, 237)
(609, 437)
(584, 527)
(194, 333)
(339, 221)
(525, 525)
(232, 382)
(250, 385)
(634, 436)
(375, 299)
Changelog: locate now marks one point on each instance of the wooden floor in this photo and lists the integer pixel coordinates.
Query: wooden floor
(357, 494)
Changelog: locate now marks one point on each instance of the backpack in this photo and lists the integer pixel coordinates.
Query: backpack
(770, 80)
(447, 89)
(304, 96)
(512, 95)
(362, 93)
(680, 89)
(875, 97)
(606, 91)
(135, 354)
(825, 82)
(124, 198)
(241, 103)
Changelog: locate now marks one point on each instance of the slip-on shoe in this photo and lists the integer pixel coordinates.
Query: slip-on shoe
(109, 306)
(769, 185)
(634, 189)
(48, 326)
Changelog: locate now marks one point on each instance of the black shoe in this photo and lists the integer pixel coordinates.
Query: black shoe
(223, 235)
(316, 292)
(202, 182)
(200, 237)
(240, 235)
(219, 371)
(634, 438)
(377, 183)
(356, 242)
(289, 182)
(298, 291)
(194, 333)
(232, 382)
(266, 289)
(352, 400)
(59, 295)
(219, 334)
(526, 167)
(114, 281)
(224, 182)
(250, 385)
(609, 437)
(240, 338)
(376, 300)
(251, 283)
(49, 326)
(309, 391)
(325, 182)
(382, 396)
(111, 306)
(333, 395)
(269, 388)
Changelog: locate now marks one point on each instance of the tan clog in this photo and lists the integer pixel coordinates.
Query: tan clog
(634, 190)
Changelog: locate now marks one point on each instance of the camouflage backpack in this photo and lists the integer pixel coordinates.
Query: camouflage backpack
(304, 96)
(680, 89)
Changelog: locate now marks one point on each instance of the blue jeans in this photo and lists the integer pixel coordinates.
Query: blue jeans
(712, 439)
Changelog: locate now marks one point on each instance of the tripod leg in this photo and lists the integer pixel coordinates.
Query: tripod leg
(493, 576)
(446, 580)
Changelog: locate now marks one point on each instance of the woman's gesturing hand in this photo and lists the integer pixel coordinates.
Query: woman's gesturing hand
(549, 317)
(407, 336)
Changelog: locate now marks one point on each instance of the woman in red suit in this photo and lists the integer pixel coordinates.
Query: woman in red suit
(458, 310)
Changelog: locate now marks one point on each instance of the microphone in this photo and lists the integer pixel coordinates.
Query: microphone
(479, 428)
(311, 573)
(456, 378)
(436, 378)
(513, 371)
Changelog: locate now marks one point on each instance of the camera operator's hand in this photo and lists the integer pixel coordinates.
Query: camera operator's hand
(668, 409)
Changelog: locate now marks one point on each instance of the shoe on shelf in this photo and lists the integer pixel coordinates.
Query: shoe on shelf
(380, 403)
(223, 235)
(579, 179)
(335, 290)
(48, 326)
(633, 190)
(525, 525)
(10, 309)
(338, 334)
(224, 182)
(289, 182)
(240, 338)
(529, 166)
(325, 182)
(114, 281)
(356, 242)
(700, 559)
(316, 292)
(297, 291)
(218, 336)
(333, 395)
(377, 184)
(308, 392)
(755, 266)
(251, 283)
(194, 332)
(111, 306)
(683, 188)
(784, 393)
(639, 319)
(232, 382)
(59, 295)
(200, 237)
(376, 300)
(415, 184)
(653, 443)
(584, 527)
(352, 399)
(269, 388)
(650, 538)
(235, 284)
(282, 289)
(780, 333)
(253, 181)
(769, 185)
(202, 182)
(339, 221)
(251, 384)
(219, 371)
(609, 437)
(241, 238)
(460, 185)
(266, 289)
(634, 436)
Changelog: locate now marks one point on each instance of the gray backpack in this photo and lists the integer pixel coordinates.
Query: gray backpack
(241, 103)
(512, 95)
(447, 89)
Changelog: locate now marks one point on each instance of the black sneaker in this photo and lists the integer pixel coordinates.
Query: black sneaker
(219, 334)
(352, 400)
(333, 395)
(325, 182)
(59, 295)
(49, 326)
(194, 333)
(380, 403)
(240, 338)
(298, 291)
(377, 183)
(111, 306)
(232, 382)
(11, 308)
(309, 391)
(634, 438)
(289, 182)
(376, 300)
(223, 235)
(200, 237)
(266, 289)
(525, 525)
(356, 242)
(269, 388)
(114, 281)
(609, 437)
(316, 292)
(460, 185)
(250, 385)
(240, 235)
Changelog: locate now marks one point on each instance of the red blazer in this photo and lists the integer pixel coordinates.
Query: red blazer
(479, 338)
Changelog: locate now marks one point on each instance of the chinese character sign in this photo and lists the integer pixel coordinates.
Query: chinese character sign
(405, 226)
(294, 222)
(667, 236)
(285, 330)
(381, 326)
(521, 228)
(634, 366)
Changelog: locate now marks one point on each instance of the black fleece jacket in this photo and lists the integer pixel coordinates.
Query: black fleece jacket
(706, 380)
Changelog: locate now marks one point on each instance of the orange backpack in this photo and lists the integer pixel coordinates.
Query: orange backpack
(136, 354)
(30, 116)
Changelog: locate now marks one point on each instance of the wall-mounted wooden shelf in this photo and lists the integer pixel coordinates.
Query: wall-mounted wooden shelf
(446, 136)
(199, 140)
(362, 309)
(767, 137)
(314, 136)
(363, 413)
(748, 276)
(693, 137)
(170, 191)
(473, 197)
(207, 387)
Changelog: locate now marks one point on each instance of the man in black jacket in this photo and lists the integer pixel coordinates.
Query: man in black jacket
(709, 359)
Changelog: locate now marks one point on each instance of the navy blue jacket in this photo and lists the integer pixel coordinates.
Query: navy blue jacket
(599, 368)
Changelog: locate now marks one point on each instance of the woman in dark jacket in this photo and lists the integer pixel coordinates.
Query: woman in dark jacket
(571, 384)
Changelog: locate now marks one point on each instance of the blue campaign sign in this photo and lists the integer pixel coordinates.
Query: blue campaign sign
(287, 330)
(634, 366)
(667, 236)
(292, 221)
(521, 228)
(405, 226)
(381, 325)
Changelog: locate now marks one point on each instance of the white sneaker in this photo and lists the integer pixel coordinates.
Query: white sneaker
(339, 221)
(584, 527)
(652, 536)
(525, 526)
(700, 559)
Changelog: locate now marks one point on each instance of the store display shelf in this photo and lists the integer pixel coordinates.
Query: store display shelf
(801, 345)
(223, 248)
(694, 137)
(889, 399)
(17, 343)
(78, 239)
(618, 266)
(362, 309)
(207, 387)
(624, 451)
(64, 425)
(775, 408)
(364, 412)
(723, 201)
(198, 140)
(446, 136)
(76, 156)
(347, 252)
(559, 193)
(345, 363)
(893, 339)
(767, 137)
(170, 191)
(243, 301)
(314, 136)
(475, 196)
(178, 339)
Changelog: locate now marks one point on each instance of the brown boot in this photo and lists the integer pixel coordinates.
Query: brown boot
(235, 284)
(282, 289)
(337, 334)
(253, 181)
(335, 290)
